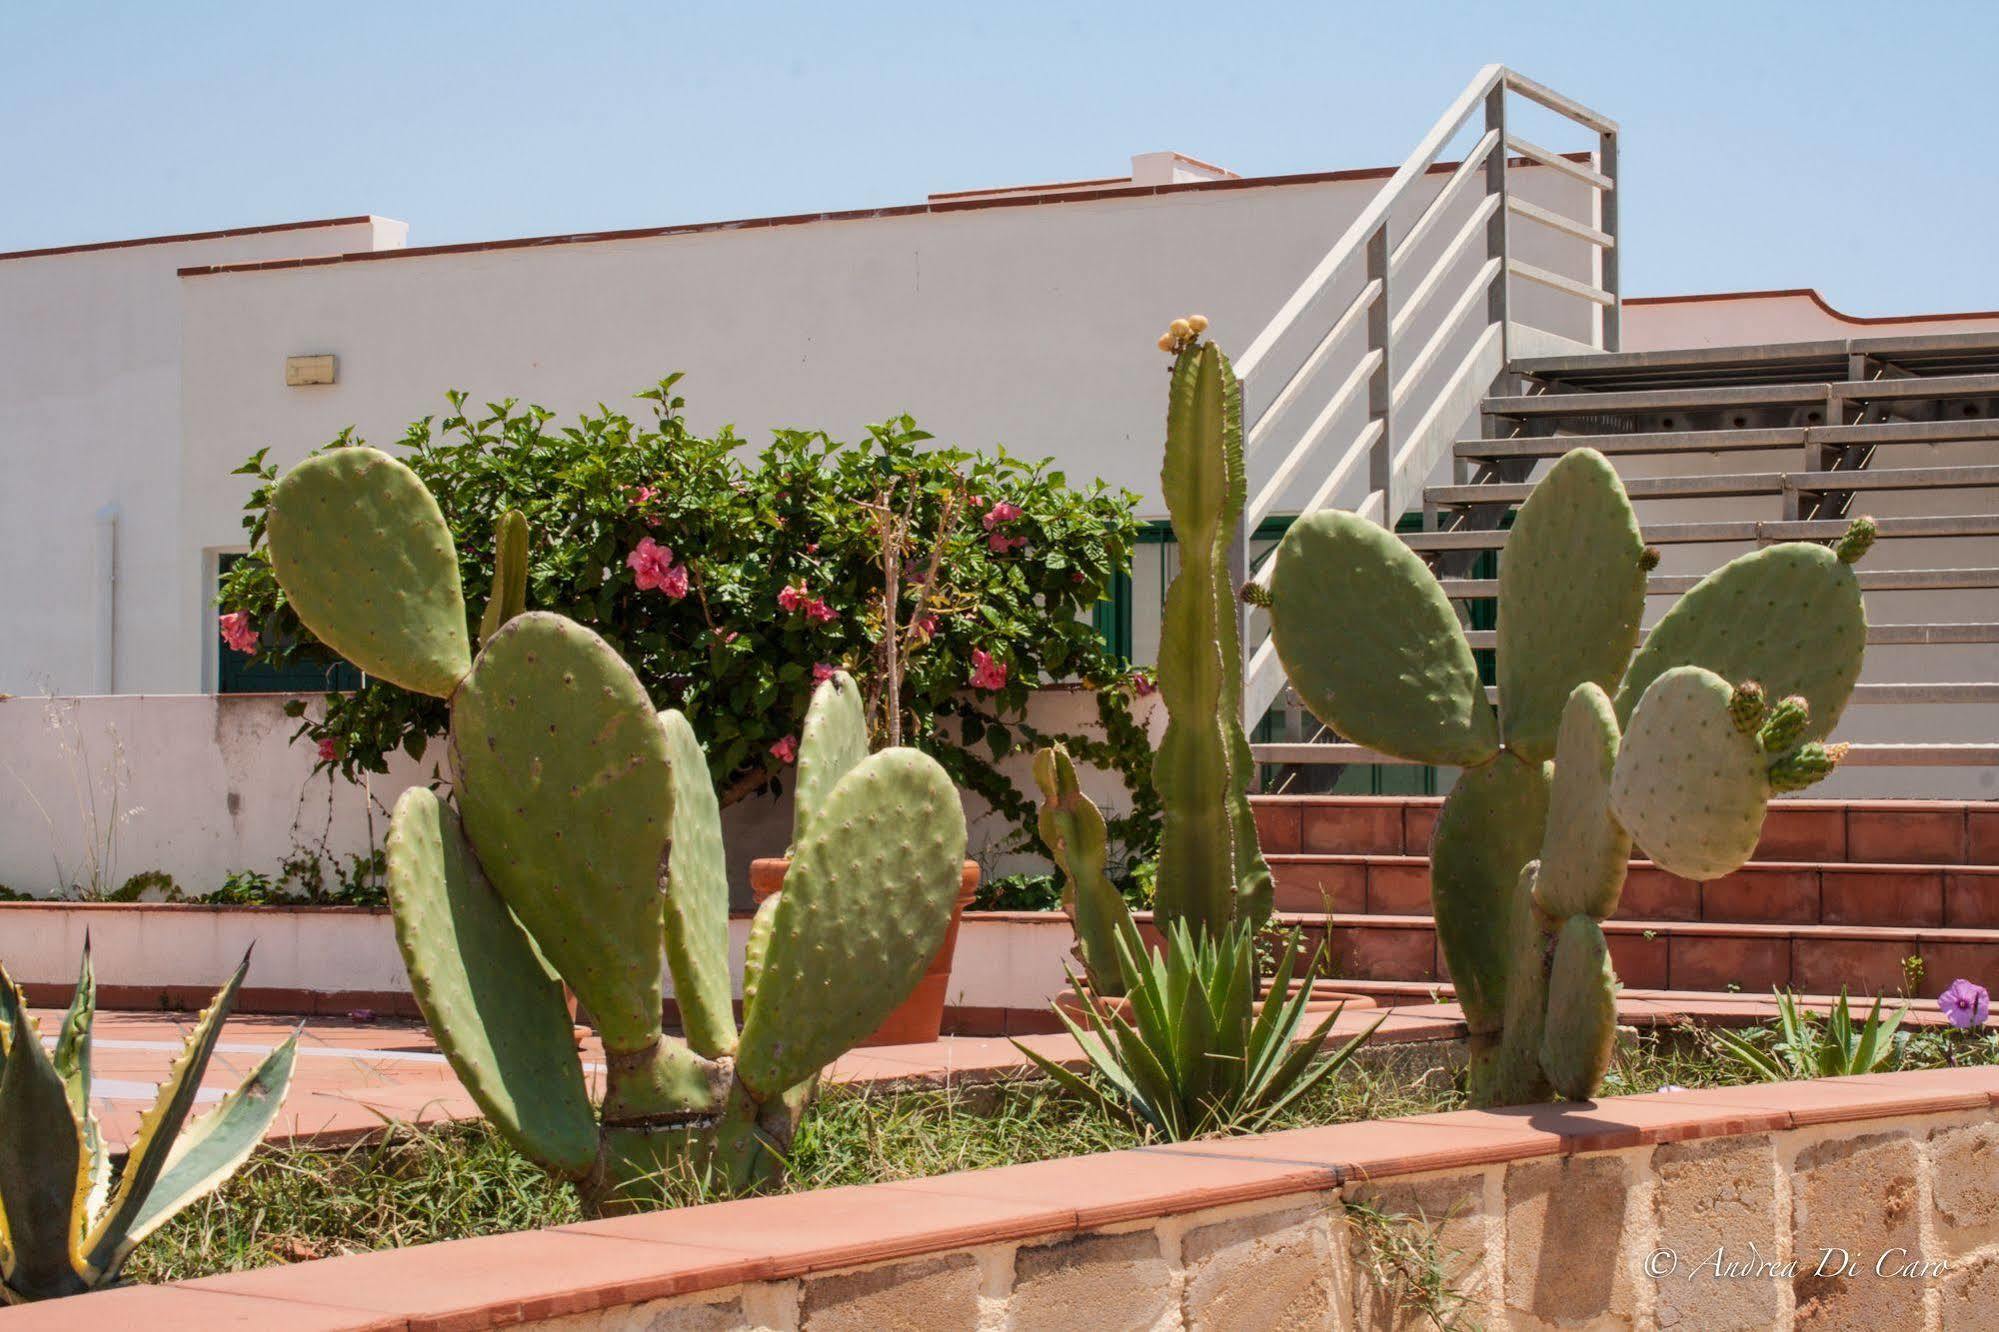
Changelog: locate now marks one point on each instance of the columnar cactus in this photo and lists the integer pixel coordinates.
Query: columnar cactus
(1072, 828)
(1211, 872)
(586, 843)
(64, 1228)
(1592, 748)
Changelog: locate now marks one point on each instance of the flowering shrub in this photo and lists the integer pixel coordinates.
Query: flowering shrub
(732, 584)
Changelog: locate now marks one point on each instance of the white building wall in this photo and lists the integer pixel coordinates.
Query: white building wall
(90, 378)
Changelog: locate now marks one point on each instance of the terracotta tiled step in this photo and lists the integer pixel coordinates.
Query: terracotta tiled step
(1690, 955)
(1637, 1006)
(1885, 832)
(1774, 892)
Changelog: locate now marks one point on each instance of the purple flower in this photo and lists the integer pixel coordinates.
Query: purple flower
(1966, 1004)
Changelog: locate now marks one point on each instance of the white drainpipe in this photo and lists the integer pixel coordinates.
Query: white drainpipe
(107, 600)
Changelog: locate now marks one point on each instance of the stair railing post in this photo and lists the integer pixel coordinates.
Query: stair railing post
(1607, 256)
(1495, 228)
(1381, 384)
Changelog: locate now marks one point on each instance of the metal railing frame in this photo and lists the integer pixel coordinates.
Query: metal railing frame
(1372, 253)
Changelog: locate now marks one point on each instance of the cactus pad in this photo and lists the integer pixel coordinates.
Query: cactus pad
(1586, 851)
(1581, 1027)
(865, 906)
(697, 897)
(495, 1013)
(1789, 618)
(1373, 647)
(1571, 592)
(833, 739)
(564, 787)
(1515, 1076)
(1489, 829)
(363, 554)
(1689, 785)
(510, 573)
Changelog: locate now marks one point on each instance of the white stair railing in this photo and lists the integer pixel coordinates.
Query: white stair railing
(1416, 397)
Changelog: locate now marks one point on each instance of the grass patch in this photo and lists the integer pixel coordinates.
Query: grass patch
(421, 1185)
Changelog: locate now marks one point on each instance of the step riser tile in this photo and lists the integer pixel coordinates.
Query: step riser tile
(1914, 836)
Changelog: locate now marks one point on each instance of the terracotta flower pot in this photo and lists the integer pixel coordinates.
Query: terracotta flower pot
(920, 1018)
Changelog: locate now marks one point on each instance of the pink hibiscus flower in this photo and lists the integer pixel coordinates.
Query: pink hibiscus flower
(987, 674)
(237, 631)
(652, 565)
(644, 495)
(926, 627)
(819, 612)
(822, 671)
(786, 750)
(328, 749)
(999, 543)
(1001, 512)
(790, 598)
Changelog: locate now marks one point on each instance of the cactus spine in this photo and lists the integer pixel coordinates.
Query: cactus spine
(586, 843)
(1211, 872)
(1675, 747)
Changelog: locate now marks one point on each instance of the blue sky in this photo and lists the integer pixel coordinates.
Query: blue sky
(1830, 144)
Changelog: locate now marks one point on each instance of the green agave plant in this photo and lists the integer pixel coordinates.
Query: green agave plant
(1189, 1050)
(64, 1228)
(1803, 1049)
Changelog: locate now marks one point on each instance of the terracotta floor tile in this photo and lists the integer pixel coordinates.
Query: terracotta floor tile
(1982, 835)
(1278, 825)
(1861, 966)
(1907, 897)
(1365, 827)
(1650, 893)
(1803, 832)
(1911, 833)
(1398, 887)
(1320, 884)
(1971, 898)
(1640, 962)
(1713, 962)
(1773, 894)
(1419, 825)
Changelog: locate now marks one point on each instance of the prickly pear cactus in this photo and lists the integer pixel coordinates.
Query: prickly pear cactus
(1072, 828)
(587, 847)
(1591, 749)
(1211, 871)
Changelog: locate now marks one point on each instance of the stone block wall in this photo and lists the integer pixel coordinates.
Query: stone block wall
(1868, 1203)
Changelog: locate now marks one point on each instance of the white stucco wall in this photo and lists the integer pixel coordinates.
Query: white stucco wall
(1030, 325)
(1736, 319)
(200, 785)
(90, 378)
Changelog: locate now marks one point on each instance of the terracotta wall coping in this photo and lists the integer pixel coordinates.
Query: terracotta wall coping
(63, 904)
(577, 1269)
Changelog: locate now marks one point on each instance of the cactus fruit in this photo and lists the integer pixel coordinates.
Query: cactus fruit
(587, 843)
(1072, 828)
(1211, 872)
(1659, 748)
(64, 1227)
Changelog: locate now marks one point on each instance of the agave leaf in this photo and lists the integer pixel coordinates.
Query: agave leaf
(1758, 1060)
(1069, 1078)
(12, 1011)
(1275, 1032)
(44, 1173)
(1332, 1064)
(72, 1052)
(212, 1147)
(160, 1125)
(1277, 1000)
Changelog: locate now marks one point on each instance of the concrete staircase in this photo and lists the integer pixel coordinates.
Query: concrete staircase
(1727, 449)
(1840, 893)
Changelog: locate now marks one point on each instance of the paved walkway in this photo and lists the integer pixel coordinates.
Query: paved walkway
(351, 1077)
